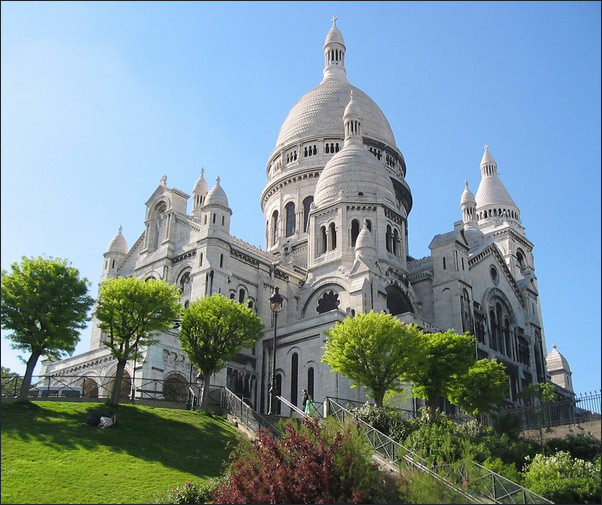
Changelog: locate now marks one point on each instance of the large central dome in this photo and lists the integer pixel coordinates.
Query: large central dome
(320, 111)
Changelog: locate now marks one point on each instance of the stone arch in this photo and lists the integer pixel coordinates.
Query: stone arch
(398, 302)
(89, 387)
(175, 387)
(126, 386)
(311, 305)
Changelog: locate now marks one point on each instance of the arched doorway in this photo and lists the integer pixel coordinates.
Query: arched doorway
(175, 388)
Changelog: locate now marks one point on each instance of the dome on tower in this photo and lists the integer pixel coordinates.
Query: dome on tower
(318, 113)
(556, 361)
(217, 196)
(118, 244)
(467, 196)
(201, 187)
(491, 190)
(354, 171)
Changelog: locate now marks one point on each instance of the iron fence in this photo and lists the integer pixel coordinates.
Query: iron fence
(244, 413)
(581, 409)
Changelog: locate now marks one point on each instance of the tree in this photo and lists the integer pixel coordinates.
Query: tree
(11, 383)
(444, 357)
(484, 385)
(213, 330)
(372, 350)
(129, 311)
(537, 395)
(45, 303)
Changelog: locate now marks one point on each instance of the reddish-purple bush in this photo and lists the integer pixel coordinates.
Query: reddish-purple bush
(313, 464)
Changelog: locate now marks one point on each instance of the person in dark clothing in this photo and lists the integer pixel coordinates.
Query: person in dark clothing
(305, 397)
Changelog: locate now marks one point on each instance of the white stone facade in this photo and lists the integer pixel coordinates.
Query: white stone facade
(336, 205)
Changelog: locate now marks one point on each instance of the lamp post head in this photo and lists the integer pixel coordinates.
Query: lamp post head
(276, 301)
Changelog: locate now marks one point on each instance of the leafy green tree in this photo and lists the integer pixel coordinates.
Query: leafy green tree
(372, 350)
(484, 386)
(445, 356)
(130, 310)
(538, 394)
(45, 303)
(213, 330)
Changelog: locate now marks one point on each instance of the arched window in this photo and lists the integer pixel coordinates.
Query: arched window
(323, 239)
(310, 381)
(333, 237)
(306, 208)
(221, 260)
(388, 239)
(290, 219)
(241, 295)
(294, 377)
(275, 227)
(355, 231)
(369, 225)
(396, 244)
(492, 329)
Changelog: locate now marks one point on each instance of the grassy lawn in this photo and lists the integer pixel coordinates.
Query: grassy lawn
(49, 457)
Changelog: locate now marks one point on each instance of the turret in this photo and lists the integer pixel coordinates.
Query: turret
(116, 251)
(199, 193)
(334, 54)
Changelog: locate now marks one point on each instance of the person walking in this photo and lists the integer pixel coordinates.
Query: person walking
(305, 397)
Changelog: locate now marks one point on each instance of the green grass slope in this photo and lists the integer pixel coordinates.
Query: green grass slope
(48, 456)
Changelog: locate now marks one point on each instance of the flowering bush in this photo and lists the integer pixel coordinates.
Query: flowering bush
(189, 493)
(317, 463)
(563, 479)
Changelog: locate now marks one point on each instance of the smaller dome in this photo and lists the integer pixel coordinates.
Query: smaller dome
(201, 186)
(467, 196)
(556, 361)
(118, 244)
(334, 36)
(364, 244)
(217, 196)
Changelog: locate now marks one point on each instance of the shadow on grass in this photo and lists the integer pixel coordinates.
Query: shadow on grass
(197, 445)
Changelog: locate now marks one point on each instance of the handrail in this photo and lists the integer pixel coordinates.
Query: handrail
(291, 406)
(479, 482)
(254, 421)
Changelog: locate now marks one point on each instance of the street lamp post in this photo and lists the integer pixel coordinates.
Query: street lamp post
(276, 305)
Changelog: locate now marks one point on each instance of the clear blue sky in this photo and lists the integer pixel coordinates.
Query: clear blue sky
(100, 99)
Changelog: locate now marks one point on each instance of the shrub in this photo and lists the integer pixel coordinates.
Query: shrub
(317, 463)
(582, 446)
(563, 479)
(385, 419)
(189, 492)
(437, 443)
(507, 470)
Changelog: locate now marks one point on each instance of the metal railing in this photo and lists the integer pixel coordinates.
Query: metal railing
(472, 481)
(583, 408)
(244, 413)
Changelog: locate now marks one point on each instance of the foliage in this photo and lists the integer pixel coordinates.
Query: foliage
(481, 388)
(190, 492)
(213, 330)
(130, 310)
(445, 357)
(386, 420)
(372, 350)
(581, 445)
(149, 451)
(437, 443)
(45, 303)
(418, 487)
(11, 383)
(544, 392)
(507, 470)
(563, 479)
(506, 423)
(318, 463)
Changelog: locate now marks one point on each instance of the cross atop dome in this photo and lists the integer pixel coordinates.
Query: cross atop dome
(334, 20)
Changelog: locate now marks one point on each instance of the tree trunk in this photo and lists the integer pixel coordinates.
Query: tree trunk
(205, 395)
(379, 398)
(31, 364)
(116, 393)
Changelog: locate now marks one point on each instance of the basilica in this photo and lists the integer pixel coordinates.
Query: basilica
(336, 206)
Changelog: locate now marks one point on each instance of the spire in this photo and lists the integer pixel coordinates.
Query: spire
(334, 54)
(488, 164)
(352, 120)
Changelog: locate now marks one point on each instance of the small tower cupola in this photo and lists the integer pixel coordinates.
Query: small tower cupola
(334, 54)
(365, 247)
(116, 251)
(199, 194)
(216, 211)
(492, 199)
(468, 204)
(352, 119)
